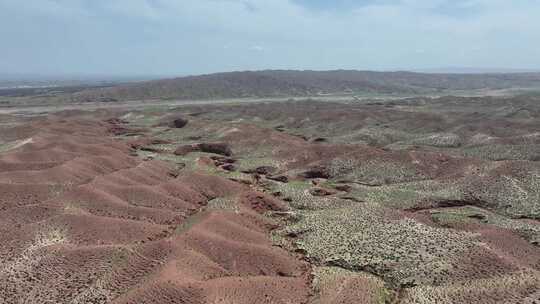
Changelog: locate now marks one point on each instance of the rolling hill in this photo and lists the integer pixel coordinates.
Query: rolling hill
(281, 83)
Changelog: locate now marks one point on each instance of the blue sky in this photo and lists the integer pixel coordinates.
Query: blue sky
(179, 37)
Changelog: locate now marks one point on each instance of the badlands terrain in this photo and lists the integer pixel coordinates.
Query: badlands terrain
(381, 193)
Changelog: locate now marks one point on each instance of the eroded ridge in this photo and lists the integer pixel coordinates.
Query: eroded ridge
(82, 220)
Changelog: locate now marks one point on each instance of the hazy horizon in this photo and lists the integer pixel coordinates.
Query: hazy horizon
(15, 77)
(166, 38)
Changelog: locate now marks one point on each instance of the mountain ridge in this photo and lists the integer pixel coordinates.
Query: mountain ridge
(282, 83)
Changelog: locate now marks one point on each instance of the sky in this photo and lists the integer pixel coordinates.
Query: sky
(184, 37)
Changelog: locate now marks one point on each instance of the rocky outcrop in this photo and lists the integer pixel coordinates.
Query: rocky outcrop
(216, 148)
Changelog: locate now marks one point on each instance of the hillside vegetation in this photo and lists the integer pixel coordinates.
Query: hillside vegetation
(276, 83)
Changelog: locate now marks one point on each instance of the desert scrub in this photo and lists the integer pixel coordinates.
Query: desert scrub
(194, 132)
(330, 282)
(168, 148)
(223, 203)
(74, 208)
(299, 197)
(103, 287)
(451, 216)
(480, 139)
(141, 119)
(376, 136)
(254, 151)
(97, 293)
(442, 140)
(19, 272)
(498, 152)
(251, 162)
(58, 189)
(448, 219)
(388, 196)
(516, 195)
(512, 288)
(374, 172)
(409, 195)
(33, 253)
(342, 166)
(401, 251)
(189, 162)
(234, 175)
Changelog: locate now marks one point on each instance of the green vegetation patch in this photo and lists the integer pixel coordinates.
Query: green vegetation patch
(328, 280)
(374, 172)
(401, 251)
(223, 203)
(440, 140)
(509, 288)
(409, 195)
(469, 214)
(498, 152)
(299, 197)
(516, 195)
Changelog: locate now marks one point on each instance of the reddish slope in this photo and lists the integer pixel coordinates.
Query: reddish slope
(82, 221)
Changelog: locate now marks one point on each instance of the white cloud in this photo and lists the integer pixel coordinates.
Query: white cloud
(171, 36)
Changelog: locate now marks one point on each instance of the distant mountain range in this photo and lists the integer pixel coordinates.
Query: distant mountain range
(470, 70)
(283, 83)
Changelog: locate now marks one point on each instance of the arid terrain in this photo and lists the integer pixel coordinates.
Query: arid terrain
(420, 198)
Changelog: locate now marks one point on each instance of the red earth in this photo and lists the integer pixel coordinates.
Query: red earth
(83, 221)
